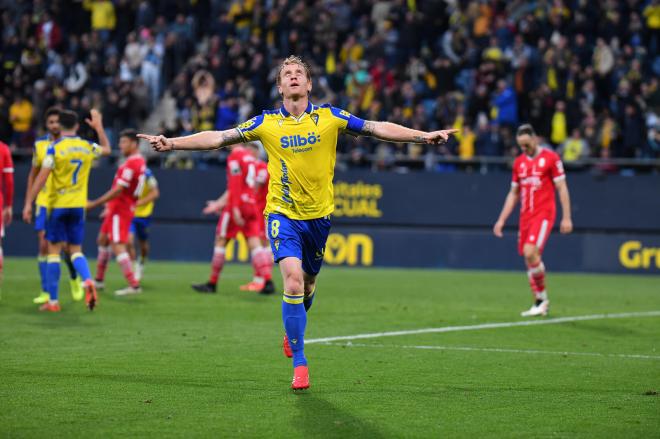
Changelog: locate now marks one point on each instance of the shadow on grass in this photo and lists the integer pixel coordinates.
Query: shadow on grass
(320, 418)
(66, 318)
(115, 378)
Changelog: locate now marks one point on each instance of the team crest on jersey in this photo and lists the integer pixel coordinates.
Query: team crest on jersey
(542, 162)
(315, 118)
(280, 122)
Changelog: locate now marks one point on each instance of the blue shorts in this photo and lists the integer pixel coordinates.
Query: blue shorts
(302, 239)
(40, 218)
(140, 227)
(66, 224)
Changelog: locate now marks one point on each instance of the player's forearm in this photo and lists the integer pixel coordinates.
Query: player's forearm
(104, 142)
(393, 132)
(8, 188)
(37, 185)
(30, 179)
(151, 196)
(110, 195)
(565, 201)
(206, 140)
(507, 209)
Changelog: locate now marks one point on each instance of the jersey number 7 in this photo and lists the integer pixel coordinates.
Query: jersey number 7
(78, 164)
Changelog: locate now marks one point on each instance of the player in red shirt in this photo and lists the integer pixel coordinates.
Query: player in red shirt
(238, 213)
(6, 194)
(536, 174)
(120, 208)
(262, 256)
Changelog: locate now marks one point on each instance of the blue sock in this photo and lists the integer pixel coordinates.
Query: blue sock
(43, 263)
(294, 317)
(53, 276)
(69, 265)
(82, 267)
(309, 300)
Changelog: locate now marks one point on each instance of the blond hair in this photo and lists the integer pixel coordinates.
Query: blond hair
(293, 59)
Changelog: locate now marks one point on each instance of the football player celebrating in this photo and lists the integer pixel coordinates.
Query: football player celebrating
(42, 206)
(536, 174)
(301, 141)
(69, 161)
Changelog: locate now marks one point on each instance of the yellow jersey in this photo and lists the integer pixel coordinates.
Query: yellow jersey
(38, 155)
(301, 157)
(70, 160)
(146, 210)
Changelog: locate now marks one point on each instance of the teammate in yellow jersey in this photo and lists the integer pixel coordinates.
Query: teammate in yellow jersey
(300, 139)
(68, 162)
(41, 208)
(141, 222)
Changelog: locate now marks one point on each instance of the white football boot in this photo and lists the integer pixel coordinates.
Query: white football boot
(137, 271)
(128, 291)
(537, 310)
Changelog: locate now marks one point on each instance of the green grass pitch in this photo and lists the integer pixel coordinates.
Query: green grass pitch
(173, 363)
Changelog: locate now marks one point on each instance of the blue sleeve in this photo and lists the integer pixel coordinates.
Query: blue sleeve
(353, 124)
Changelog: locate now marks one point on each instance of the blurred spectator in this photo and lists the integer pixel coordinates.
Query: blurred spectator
(559, 124)
(489, 65)
(20, 117)
(574, 148)
(505, 104)
(103, 16)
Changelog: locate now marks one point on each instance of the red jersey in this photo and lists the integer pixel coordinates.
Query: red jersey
(7, 180)
(240, 177)
(261, 179)
(130, 176)
(536, 177)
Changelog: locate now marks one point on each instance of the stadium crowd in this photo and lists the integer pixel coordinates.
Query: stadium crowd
(583, 72)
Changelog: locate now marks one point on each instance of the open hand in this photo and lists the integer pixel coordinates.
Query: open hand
(212, 206)
(96, 120)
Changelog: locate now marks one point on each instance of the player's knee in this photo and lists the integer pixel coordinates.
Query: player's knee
(531, 253)
(293, 284)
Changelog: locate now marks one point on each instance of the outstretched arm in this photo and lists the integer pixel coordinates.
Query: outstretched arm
(202, 141)
(509, 205)
(109, 195)
(393, 132)
(216, 206)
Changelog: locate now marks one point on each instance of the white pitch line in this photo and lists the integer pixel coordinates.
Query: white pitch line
(485, 326)
(501, 350)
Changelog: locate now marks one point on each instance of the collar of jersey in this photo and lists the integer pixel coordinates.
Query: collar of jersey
(309, 109)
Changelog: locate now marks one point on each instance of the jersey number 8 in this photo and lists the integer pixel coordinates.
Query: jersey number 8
(274, 229)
